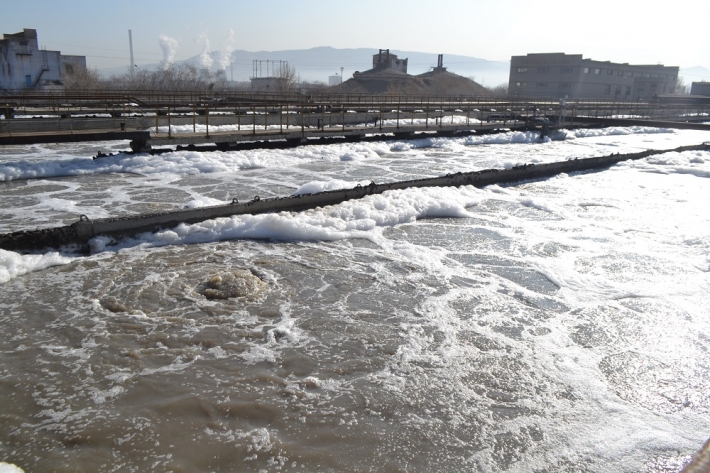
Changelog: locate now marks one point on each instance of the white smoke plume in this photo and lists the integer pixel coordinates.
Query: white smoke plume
(205, 58)
(225, 53)
(169, 46)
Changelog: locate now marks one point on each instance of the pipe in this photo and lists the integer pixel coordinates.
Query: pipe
(79, 233)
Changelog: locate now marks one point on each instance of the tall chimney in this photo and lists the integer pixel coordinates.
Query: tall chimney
(130, 45)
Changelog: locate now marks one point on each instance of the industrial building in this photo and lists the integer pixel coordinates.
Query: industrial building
(24, 66)
(335, 80)
(389, 76)
(385, 66)
(271, 76)
(700, 88)
(386, 60)
(560, 75)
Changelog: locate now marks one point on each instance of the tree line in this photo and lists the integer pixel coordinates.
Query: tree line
(172, 78)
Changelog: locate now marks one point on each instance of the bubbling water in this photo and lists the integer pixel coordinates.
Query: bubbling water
(556, 325)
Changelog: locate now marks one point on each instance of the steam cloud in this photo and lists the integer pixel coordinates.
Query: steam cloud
(225, 53)
(169, 46)
(205, 58)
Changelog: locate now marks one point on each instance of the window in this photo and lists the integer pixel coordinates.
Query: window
(564, 85)
(586, 70)
(628, 90)
(522, 69)
(597, 71)
(655, 76)
(646, 74)
(621, 73)
(520, 84)
(607, 90)
(629, 74)
(543, 70)
(610, 72)
(566, 70)
(618, 90)
(542, 84)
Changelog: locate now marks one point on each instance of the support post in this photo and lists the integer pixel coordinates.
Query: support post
(399, 105)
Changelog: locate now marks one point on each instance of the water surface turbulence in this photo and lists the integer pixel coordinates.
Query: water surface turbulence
(557, 325)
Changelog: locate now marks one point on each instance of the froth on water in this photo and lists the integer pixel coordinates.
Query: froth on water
(551, 326)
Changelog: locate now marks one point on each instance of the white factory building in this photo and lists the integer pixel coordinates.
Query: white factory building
(23, 65)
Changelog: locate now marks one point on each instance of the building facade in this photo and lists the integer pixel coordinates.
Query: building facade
(24, 66)
(559, 75)
(335, 80)
(386, 60)
(700, 88)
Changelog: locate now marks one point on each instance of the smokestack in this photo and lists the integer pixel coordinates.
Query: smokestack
(130, 45)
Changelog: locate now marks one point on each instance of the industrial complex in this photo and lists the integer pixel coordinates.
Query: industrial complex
(560, 75)
(24, 65)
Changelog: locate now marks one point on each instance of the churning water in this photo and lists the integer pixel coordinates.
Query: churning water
(557, 325)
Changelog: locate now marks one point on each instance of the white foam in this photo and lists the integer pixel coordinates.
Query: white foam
(14, 264)
(314, 187)
(10, 468)
(70, 207)
(202, 201)
(188, 162)
(51, 164)
(615, 131)
(636, 232)
(351, 219)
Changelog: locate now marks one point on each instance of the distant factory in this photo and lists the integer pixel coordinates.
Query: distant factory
(23, 65)
(389, 76)
(559, 75)
(700, 88)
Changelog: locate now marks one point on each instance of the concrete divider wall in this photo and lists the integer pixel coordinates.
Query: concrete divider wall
(81, 232)
(32, 125)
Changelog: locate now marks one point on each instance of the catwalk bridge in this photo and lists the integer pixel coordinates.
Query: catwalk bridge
(154, 120)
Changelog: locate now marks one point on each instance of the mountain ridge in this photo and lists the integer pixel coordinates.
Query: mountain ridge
(320, 62)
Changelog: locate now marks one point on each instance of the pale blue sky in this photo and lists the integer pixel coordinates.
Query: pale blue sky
(642, 32)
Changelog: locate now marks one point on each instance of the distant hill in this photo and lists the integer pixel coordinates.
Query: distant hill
(695, 74)
(317, 64)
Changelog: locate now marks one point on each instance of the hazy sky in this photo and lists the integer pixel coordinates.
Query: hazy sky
(674, 33)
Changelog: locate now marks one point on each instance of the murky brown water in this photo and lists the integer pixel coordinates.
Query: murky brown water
(561, 326)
